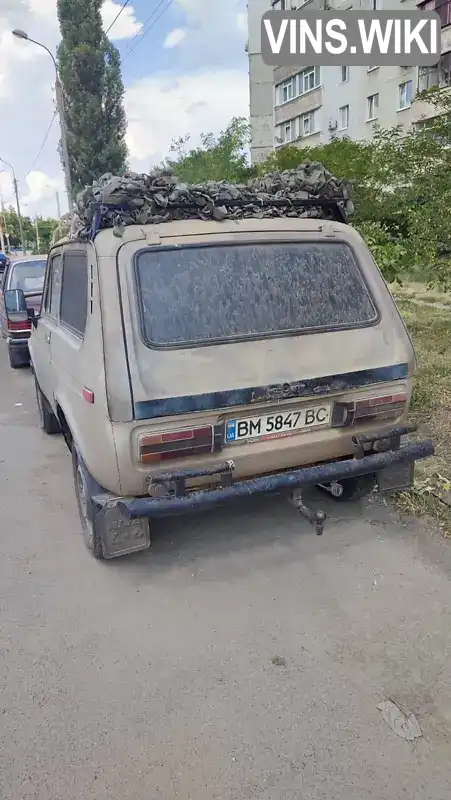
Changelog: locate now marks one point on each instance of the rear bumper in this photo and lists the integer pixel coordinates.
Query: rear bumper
(179, 503)
(17, 344)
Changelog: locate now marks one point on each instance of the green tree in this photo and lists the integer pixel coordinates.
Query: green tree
(401, 187)
(45, 228)
(93, 89)
(11, 227)
(217, 158)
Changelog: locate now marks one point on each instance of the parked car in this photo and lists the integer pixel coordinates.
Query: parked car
(4, 261)
(27, 276)
(193, 362)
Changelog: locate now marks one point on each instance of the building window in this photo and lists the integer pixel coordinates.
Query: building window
(287, 90)
(308, 80)
(288, 131)
(307, 124)
(405, 95)
(373, 105)
(298, 85)
(428, 77)
(442, 7)
(445, 70)
(344, 117)
(344, 74)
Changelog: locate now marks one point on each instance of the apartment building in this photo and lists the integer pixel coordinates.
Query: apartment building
(313, 105)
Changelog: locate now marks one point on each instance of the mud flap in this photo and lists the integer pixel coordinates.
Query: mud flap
(396, 477)
(121, 537)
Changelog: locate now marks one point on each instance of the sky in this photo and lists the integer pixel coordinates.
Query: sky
(187, 74)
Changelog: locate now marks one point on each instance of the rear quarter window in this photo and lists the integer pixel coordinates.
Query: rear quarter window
(212, 294)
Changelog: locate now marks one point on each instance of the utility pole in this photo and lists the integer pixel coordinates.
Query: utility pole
(64, 148)
(19, 215)
(38, 241)
(2, 238)
(16, 192)
(3, 218)
(19, 34)
(58, 206)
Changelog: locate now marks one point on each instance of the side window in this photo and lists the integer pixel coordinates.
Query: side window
(53, 290)
(74, 292)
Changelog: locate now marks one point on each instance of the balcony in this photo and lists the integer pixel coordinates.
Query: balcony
(429, 78)
(442, 7)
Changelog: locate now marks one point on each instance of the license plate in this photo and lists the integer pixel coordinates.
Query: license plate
(276, 425)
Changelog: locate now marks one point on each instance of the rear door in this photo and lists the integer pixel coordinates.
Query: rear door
(41, 337)
(226, 325)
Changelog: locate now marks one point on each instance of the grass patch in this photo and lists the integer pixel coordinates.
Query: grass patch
(411, 290)
(430, 329)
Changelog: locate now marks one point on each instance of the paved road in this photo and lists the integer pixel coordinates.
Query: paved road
(242, 658)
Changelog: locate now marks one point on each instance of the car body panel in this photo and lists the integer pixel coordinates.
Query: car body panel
(143, 390)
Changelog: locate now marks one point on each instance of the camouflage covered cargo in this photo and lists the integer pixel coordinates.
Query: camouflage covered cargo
(133, 199)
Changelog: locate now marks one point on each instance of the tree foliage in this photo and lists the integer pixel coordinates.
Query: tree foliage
(401, 184)
(10, 224)
(90, 72)
(224, 157)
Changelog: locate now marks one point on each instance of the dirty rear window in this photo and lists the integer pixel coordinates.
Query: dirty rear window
(209, 294)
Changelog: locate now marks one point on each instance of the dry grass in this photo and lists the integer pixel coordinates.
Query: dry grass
(419, 291)
(430, 329)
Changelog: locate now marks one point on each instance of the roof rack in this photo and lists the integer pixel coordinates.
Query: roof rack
(334, 210)
(335, 207)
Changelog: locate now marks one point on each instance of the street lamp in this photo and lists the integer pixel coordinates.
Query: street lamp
(16, 192)
(19, 34)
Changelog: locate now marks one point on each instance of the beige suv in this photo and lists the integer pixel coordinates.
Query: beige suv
(191, 362)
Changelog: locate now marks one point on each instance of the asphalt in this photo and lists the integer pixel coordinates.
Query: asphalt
(242, 657)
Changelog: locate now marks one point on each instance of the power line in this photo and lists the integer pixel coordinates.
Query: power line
(141, 30)
(42, 145)
(117, 16)
(143, 33)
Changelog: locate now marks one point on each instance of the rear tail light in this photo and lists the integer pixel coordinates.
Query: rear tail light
(177, 444)
(378, 409)
(19, 326)
(389, 406)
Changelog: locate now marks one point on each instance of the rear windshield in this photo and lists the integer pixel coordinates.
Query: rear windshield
(28, 276)
(209, 294)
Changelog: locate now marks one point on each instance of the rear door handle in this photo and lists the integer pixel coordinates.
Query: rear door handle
(47, 338)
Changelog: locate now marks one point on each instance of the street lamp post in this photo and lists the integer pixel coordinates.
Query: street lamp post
(19, 34)
(16, 192)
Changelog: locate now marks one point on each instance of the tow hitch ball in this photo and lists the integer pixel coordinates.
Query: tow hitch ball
(316, 518)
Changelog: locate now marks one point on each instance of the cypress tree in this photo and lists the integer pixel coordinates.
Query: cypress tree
(90, 72)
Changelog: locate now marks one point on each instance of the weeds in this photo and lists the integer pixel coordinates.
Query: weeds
(430, 329)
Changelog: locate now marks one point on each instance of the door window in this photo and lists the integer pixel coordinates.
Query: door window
(74, 292)
(53, 288)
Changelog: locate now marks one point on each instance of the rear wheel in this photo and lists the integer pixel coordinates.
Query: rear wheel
(354, 489)
(91, 536)
(48, 422)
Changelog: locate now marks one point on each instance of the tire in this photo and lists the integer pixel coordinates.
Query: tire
(48, 421)
(15, 361)
(91, 536)
(355, 489)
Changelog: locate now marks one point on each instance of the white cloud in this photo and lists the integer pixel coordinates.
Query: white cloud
(207, 85)
(241, 21)
(37, 196)
(174, 38)
(125, 26)
(162, 108)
